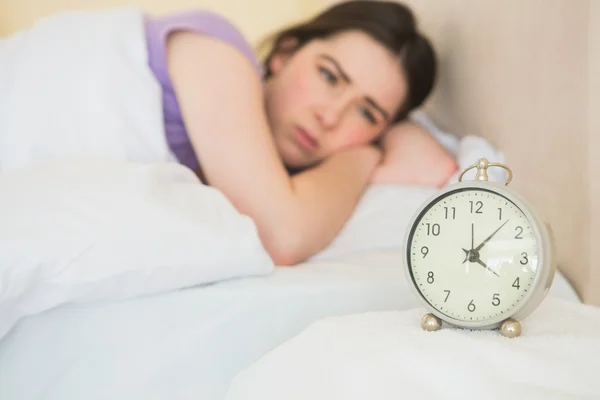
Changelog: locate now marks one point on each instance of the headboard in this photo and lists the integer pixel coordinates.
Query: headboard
(517, 72)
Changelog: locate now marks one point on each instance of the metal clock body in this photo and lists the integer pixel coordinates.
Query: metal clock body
(478, 256)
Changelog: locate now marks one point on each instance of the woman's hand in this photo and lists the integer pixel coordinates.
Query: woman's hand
(411, 156)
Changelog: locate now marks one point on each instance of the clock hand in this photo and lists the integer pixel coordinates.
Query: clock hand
(468, 252)
(489, 237)
(466, 255)
(478, 261)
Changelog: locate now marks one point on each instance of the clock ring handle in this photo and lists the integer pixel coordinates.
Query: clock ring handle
(482, 165)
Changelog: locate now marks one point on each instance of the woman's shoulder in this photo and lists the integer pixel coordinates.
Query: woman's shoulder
(206, 22)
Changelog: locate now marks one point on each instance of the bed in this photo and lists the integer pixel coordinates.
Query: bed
(193, 342)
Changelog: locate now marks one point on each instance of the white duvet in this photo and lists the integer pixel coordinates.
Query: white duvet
(78, 84)
(91, 205)
(91, 230)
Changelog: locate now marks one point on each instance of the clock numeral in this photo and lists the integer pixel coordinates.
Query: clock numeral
(500, 213)
(424, 251)
(447, 211)
(516, 284)
(430, 277)
(496, 299)
(471, 307)
(524, 260)
(433, 229)
(519, 230)
(476, 207)
(447, 295)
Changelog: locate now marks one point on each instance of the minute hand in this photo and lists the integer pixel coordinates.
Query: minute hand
(489, 237)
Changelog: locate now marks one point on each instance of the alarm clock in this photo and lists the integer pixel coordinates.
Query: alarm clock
(478, 255)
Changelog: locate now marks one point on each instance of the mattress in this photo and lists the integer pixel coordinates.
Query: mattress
(190, 344)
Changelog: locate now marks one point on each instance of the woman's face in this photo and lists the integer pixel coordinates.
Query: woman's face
(330, 95)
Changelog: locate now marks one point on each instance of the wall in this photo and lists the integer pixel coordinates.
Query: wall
(593, 290)
(254, 17)
(516, 72)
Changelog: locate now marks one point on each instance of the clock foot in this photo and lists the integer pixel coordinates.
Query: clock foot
(431, 323)
(510, 328)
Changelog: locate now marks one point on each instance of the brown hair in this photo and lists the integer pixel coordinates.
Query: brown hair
(390, 23)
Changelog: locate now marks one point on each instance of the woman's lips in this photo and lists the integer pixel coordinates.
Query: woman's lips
(305, 140)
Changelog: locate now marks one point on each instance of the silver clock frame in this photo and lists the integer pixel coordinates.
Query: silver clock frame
(545, 271)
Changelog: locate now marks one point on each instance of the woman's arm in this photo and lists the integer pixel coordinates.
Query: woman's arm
(221, 100)
(413, 157)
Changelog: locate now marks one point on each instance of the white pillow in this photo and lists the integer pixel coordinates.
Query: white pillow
(379, 221)
(94, 230)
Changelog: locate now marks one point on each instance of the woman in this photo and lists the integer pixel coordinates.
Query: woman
(328, 90)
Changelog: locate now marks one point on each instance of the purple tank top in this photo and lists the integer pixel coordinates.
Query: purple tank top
(157, 30)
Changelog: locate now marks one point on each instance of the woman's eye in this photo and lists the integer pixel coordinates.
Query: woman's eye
(328, 75)
(368, 115)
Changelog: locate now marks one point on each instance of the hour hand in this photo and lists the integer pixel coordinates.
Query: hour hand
(478, 261)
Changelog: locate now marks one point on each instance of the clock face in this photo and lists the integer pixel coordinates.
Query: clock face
(473, 255)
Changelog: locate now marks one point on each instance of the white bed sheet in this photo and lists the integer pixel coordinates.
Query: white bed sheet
(190, 344)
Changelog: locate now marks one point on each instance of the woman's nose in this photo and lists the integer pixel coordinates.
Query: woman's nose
(329, 114)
